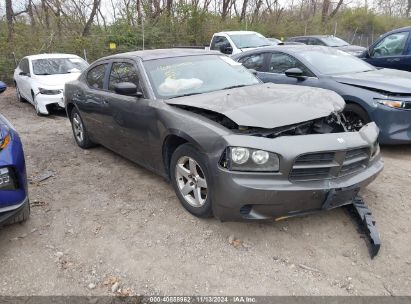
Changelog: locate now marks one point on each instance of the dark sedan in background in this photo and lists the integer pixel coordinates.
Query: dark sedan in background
(391, 50)
(230, 145)
(330, 41)
(380, 95)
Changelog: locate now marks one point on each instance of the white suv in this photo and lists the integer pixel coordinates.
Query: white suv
(40, 79)
(234, 42)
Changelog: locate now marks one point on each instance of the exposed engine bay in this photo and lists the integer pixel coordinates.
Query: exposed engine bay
(334, 123)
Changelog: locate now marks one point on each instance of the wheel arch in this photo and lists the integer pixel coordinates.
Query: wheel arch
(360, 103)
(69, 108)
(171, 142)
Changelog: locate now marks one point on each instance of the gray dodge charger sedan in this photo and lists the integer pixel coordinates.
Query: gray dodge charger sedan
(231, 146)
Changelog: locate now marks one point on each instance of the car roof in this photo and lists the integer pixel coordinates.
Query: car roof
(236, 33)
(290, 49)
(51, 55)
(163, 53)
(402, 29)
(313, 36)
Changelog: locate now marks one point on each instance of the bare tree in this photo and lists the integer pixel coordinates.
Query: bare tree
(9, 17)
(96, 5)
(244, 10)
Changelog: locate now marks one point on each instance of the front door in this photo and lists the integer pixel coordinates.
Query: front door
(390, 52)
(278, 63)
(133, 118)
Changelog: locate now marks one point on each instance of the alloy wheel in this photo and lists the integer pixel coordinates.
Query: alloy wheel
(78, 128)
(191, 181)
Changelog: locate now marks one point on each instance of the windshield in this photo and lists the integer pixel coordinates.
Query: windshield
(331, 62)
(52, 66)
(334, 41)
(249, 41)
(189, 75)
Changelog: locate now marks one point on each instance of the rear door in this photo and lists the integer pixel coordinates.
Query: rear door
(92, 104)
(392, 52)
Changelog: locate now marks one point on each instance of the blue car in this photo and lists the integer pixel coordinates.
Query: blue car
(391, 50)
(3, 87)
(14, 201)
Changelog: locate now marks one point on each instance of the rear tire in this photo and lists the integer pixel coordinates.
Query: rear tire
(20, 217)
(79, 130)
(356, 117)
(190, 179)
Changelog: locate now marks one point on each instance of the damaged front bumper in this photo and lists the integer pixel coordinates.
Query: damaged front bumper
(44, 100)
(262, 196)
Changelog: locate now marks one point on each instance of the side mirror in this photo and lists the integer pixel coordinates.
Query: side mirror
(254, 72)
(226, 49)
(295, 73)
(127, 88)
(24, 74)
(367, 53)
(3, 87)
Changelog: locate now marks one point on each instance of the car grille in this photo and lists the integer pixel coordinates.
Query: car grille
(325, 165)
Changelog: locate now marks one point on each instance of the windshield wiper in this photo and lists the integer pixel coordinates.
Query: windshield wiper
(188, 94)
(234, 86)
(43, 74)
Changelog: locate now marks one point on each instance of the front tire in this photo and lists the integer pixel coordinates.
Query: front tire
(356, 117)
(189, 177)
(79, 130)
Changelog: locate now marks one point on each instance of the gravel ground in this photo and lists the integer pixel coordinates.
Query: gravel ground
(102, 225)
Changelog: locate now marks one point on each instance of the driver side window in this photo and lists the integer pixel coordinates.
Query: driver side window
(392, 45)
(122, 72)
(280, 62)
(24, 66)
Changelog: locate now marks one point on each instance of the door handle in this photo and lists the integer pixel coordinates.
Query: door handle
(394, 60)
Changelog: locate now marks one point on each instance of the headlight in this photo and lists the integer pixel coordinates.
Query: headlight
(391, 103)
(240, 155)
(6, 179)
(49, 92)
(246, 159)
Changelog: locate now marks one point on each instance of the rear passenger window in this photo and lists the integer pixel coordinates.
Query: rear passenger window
(95, 77)
(122, 72)
(315, 41)
(255, 62)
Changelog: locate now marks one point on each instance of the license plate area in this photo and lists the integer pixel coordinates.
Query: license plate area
(340, 197)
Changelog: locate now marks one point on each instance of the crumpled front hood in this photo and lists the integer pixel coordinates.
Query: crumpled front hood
(57, 80)
(266, 105)
(392, 81)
